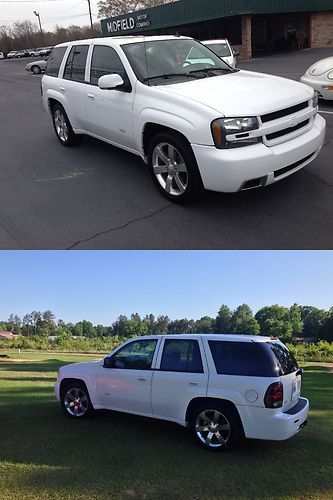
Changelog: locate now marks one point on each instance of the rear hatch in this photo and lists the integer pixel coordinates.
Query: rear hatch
(287, 369)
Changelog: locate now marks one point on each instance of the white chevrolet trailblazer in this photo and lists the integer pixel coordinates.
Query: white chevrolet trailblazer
(197, 122)
(224, 387)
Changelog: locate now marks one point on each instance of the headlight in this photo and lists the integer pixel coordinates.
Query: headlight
(330, 75)
(234, 126)
(315, 99)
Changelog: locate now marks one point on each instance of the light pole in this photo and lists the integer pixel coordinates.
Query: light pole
(91, 23)
(40, 24)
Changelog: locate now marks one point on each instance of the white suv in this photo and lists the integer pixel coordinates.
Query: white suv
(197, 122)
(224, 387)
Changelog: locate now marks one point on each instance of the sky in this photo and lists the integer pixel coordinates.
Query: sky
(98, 286)
(52, 12)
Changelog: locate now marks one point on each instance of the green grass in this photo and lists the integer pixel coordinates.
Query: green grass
(45, 455)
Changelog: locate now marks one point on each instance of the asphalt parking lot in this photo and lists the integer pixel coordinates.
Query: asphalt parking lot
(98, 197)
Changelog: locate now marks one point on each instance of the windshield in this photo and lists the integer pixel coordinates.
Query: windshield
(173, 58)
(221, 49)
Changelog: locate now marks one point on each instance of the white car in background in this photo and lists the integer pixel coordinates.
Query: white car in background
(223, 49)
(320, 77)
(37, 67)
(1, 55)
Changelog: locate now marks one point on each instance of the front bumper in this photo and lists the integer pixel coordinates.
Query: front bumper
(319, 85)
(57, 390)
(231, 170)
(276, 425)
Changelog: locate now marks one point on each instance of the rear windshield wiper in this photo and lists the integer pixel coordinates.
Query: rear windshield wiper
(168, 75)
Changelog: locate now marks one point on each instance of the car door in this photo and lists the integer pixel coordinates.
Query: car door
(125, 384)
(181, 374)
(109, 112)
(72, 85)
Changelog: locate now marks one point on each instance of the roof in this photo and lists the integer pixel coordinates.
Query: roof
(8, 335)
(193, 11)
(209, 336)
(122, 40)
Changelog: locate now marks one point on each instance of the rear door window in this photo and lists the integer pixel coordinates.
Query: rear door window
(76, 63)
(181, 356)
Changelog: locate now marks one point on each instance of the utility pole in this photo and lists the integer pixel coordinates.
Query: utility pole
(91, 23)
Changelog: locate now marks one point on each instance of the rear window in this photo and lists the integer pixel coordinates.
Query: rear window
(285, 359)
(242, 358)
(54, 61)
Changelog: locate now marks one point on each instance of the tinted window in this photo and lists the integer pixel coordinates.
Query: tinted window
(242, 358)
(181, 356)
(54, 61)
(76, 63)
(221, 49)
(105, 61)
(285, 359)
(135, 356)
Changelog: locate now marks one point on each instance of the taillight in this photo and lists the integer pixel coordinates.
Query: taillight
(274, 395)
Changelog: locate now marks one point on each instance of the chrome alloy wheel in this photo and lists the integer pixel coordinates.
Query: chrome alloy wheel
(170, 169)
(212, 428)
(76, 402)
(61, 125)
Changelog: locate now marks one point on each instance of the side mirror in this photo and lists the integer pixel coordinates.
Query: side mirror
(109, 82)
(107, 363)
(236, 53)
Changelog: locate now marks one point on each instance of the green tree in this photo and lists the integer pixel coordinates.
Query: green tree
(295, 318)
(223, 320)
(242, 321)
(327, 329)
(204, 325)
(313, 321)
(274, 321)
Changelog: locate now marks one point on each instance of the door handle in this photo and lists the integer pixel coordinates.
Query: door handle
(91, 96)
(62, 89)
(141, 379)
(194, 383)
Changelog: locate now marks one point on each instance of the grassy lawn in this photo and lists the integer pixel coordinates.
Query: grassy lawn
(45, 455)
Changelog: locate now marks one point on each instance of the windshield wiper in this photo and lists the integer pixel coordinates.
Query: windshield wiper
(207, 70)
(168, 75)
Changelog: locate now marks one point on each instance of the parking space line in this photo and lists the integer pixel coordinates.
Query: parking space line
(327, 112)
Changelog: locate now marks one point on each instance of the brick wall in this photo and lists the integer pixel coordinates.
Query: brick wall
(245, 49)
(321, 29)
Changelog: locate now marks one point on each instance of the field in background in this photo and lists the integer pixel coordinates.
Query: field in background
(45, 455)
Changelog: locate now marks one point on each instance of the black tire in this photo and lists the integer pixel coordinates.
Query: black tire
(174, 168)
(217, 427)
(75, 400)
(63, 127)
(35, 69)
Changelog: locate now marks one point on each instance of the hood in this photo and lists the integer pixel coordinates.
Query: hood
(320, 67)
(77, 368)
(243, 93)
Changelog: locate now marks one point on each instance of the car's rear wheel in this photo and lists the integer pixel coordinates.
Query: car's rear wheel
(216, 427)
(174, 168)
(75, 400)
(62, 126)
(35, 69)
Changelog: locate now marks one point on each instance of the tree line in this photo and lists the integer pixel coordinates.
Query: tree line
(277, 321)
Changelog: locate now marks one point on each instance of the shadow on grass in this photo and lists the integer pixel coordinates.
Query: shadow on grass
(48, 365)
(117, 455)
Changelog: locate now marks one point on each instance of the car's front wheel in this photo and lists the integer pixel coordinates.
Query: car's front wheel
(62, 126)
(75, 400)
(216, 427)
(36, 69)
(174, 168)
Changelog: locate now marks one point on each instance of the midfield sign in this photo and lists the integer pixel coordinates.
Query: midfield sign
(128, 23)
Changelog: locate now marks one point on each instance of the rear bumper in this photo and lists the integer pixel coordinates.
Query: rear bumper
(276, 425)
(235, 169)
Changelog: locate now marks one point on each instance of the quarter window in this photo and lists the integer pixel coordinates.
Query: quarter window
(137, 355)
(105, 61)
(76, 63)
(54, 61)
(181, 356)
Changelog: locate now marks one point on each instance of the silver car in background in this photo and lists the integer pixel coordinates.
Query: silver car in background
(37, 67)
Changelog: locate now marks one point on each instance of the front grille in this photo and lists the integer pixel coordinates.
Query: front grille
(284, 170)
(286, 131)
(284, 112)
